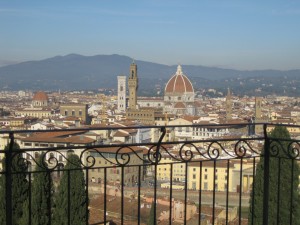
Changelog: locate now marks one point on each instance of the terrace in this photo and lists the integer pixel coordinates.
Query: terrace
(195, 181)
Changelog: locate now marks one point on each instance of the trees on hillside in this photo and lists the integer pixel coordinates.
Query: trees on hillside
(71, 194)
(19, 186)
(284, 199)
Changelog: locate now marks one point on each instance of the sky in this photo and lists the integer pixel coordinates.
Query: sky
(238, 34)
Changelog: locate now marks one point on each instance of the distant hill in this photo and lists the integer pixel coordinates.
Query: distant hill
(77, 72)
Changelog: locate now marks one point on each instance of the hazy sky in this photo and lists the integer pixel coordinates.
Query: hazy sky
(242, 34)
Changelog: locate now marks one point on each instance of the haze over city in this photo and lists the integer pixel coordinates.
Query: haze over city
(243, 35)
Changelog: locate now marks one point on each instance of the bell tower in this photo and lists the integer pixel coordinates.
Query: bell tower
(258, 114)
(228, 105)
(121, 93)
(133, 86)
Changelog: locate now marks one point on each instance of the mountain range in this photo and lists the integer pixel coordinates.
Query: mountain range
(77, 72)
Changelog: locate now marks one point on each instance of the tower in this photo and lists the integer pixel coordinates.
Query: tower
(258, 115)
(121, 93)
(133, 86)
(228, 105)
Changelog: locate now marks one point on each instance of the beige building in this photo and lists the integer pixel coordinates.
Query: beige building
(77, 110)
(35, 112)
(209, 173)
(164, 169)
(111, 159)
(39, 107)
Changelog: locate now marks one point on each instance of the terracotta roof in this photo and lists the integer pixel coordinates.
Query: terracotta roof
(79, 139)
(132, 149)
(57, 134)
(179, 105)
(48, 137)
(40, 96)
(179, 83)
(190, 118)
(121, 134)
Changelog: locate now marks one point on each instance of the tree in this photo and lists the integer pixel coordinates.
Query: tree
(283, 183)
(42, 188)
(151, 220)
(19, 186)
(71, 194)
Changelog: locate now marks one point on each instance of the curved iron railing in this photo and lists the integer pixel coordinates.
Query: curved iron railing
(139, 159)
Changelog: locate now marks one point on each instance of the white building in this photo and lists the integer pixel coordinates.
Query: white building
(121, 93)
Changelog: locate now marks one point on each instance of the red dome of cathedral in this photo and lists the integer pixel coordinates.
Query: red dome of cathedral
(179, 83)
(40, 96)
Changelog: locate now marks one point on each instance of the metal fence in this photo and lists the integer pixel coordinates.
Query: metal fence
(226, 176)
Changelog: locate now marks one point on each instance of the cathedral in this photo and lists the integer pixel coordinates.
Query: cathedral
(179, 98)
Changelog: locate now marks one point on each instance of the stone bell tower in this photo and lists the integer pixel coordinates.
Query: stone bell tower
(133, 86)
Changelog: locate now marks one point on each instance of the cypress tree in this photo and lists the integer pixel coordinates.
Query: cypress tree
(42, 187)
(19, 186)
(71, 194)
(151, 220)
(283, 178)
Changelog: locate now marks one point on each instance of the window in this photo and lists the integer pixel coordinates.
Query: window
(205, 177)
(36, 155)
(194, 169)
(66, 112)
(80, 113)
(205, 186)
(194, 176)
(73, 113)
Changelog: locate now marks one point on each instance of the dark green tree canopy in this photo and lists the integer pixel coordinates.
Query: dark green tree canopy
(71, 190)
(284, 199)
(19, 185)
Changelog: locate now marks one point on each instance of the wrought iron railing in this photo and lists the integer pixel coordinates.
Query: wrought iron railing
(204, 179)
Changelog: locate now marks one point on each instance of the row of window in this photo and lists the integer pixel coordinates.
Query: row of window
(73, 113)
(139, 114)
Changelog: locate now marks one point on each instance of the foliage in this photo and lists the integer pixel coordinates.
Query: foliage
(151, 220)
(19, 186)
(42, 187)
(283, 183)
(71, 192)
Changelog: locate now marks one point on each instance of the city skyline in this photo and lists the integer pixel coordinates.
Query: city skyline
(232, 34)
